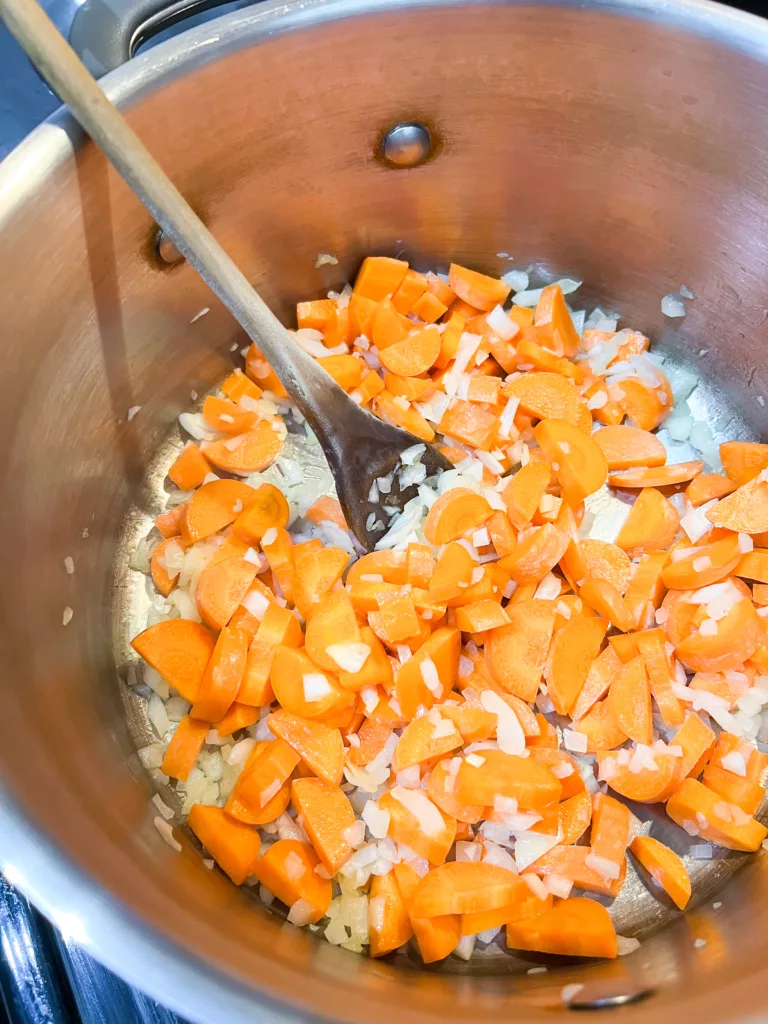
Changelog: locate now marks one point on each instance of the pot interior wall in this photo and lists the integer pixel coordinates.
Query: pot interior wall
(619, 150)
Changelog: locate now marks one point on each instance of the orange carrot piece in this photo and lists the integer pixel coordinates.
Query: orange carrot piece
(451, 336)
(574, 927)
(627, 447)
(169, 523)
(414, 355)
(477, 289)
(440, 787)
(516, 654)
(470, 423)
(361, 311)
(480, 616)
(646, 589)
(419, 743)
(376, 669)
(720, 823)
(573, 862)
(212, 507)
(288, 870)
(398, 617)
(553, 324)
(388, 409)
(525, 905)
(744, 511)
(238, 385)
(325, 814)
(279, 554)
(743, 460)
(605, 561)
(600, 727)
(610, 829)
(602, 672)
(501, 533)
(267, 509)
(233, 845)
(440, 289)
(544, 359)
(484, 389)
(321, 748)
(388, 920)
(524, 492)
(266, 770)
(573, 651)
(184, 749)
(302, 688)
(647, 786)
(651, 645)
(629, 701)
(665, 868)
(559, 762)
(239, 716)
(163, 581)
(260, 372)
(534, 556)
(697, 741)
(643, 404)
(707, 486)
(436, 937)
(222, 676)
(415, 389)
(549, 396)
(606, 601)
(379, 276)
(453, 572)
(419, 565)
(578, 461)
(651, 525)
(249, 452)
(407, 828)
(190, 468)
(409, 291)
(221, 588)
(314, 314)
(429, 308)
(739, 634)
(227, 417)
(658, 476)
(455, 513)
(326, 509)
(370, 386)
(315, 573)
(574, 816)
(442, 648)
(733, 789)
(526, 780)
(332, 621)
(712, 563)
(760, 594)
(388, 326)
(179, 650)
(465, 887)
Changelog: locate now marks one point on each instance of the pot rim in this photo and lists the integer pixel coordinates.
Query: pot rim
(83, 911)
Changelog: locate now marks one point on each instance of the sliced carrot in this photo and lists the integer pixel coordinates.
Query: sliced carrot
(600, 727)
(526, 780)
(190, 468)
(602, 672)
(573, 817)
(646, 786)
(288, 870)
(315, 314)
(484, 389)
(544, 359)
(233, 845)
(605, 561)
(222, 676)
(646, 589)
(643, 404)
(414, 355)
(325, 814)
(250, 452)
(388, 919)
(389, 409)
(423, 739)
(376, 669)
(465, 887)
(165, 582)
(524, 492)
(370, 386)
(451, 337)
(574, 562)
(733, 788)
(665, 868)
(397, 617)
(429, 308)
(472, 720)
(477, 289)
(221, 588)
(575, 927)
(549, 396)
(212, 507)
(718, 822)
(278, 626)
(184, 749)
(436, 937)
(232, 546)
(419, 565)
(315, 573)
(753, 565)
(651, 525)
(481, 616)
(332, 622)
(516, 654)
(261, 373)
(743, 460)
(455, 513)
(321, 748)
(501, 533)
(610, 829)
(423, 832)
(553, 322)
(179, 650)
(760, 594)
(279, 554)
(707, 486)
(169, 523)
(302, 688)
(267, 509)
(659, 476)
(442, 649)
(738, 636)
(525, 905)
(265, 771)
(415, 389)
(651, 645)
(409, 291)
(563, 766)
(373, 735)
(573, 651)
(712, 563)
(578, 462)
(625, 646)
(326, 509)
(470, 423)
(238, 385)
(628, 447)
(745, 511)
(379, 276)
(441, 787)
(533, 557)
(574, 863)
(629, 701)
(605, 600)
(453, 572)
(239, 716)
(227, 417)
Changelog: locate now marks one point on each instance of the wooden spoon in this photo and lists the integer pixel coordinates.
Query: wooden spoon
(359, 447)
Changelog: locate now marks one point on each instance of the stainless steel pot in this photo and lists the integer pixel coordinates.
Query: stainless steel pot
(622, 141)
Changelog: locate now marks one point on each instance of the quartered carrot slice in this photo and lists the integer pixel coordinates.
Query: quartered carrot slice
(441, 787)
(320, 747)
(609, 837)
(436, 937)
(389, 922)
(626, 447)
(651, 645)
(577, 459)
(425, 738)
(233, 845)
(414, 355)
(212, 507)
(737, 637)
(184, 749)
(287, 869)
(477, 289)
(576, 864)
(660, 476)
(455, 513)
(710, 564)
(743, 460)
(325, 814)
(629, 701)
(190, 468)
(524, 492)
(665, 868)
(303, 688)
(605, 561)
(465, 887)
(651, 525)
(552, 322)
(221, 588)
(179, 650)
(721, 823)
(573, 651)
(533, 557)
(516, 654)
(601, 728)
(645, 786)
(532, 784)
(646, 589)
(745, 511)
(601, 674)
(605, 600)
(223, 674)
(707, 486)
(250, 452)
(574, 927)
(315, 573)
(562, 766)
(418, 823)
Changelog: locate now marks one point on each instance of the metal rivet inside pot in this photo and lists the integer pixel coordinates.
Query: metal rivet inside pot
(166, 249)
(406, 145)
(603, 996)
